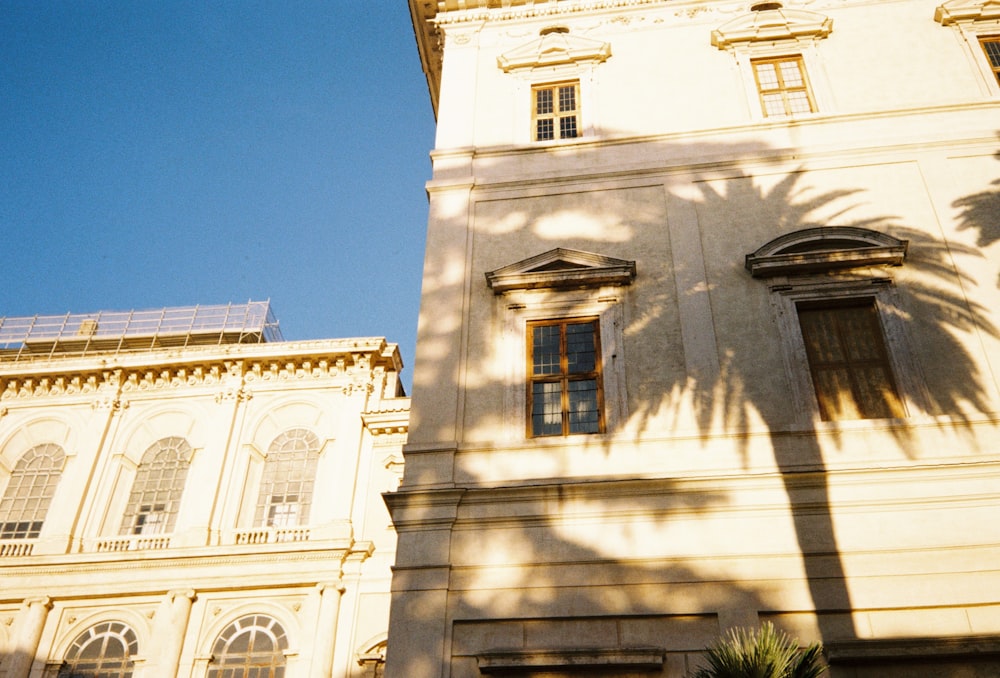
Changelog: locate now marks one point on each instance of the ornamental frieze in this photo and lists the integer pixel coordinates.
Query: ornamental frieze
(355, 368)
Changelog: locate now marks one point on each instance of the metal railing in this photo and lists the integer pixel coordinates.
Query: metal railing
(43, 336)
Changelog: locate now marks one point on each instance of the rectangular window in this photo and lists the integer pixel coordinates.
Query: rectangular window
(151, 519)
(781, 83)
(24, 529)
(848, 361)
(283, 511)
(564, 387)
(556, 111)
(991, 45)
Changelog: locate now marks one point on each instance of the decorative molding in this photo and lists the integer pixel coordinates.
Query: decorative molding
(967, 10)
(562, 268)
(68, 377)
(555, 47)
(770, 25)
(639, 659)
(825, 248)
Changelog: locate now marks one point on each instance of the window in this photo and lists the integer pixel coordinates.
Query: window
(991, 45)
(29, 492)
(251, 647)
(286, 489)
(782, 86)
(556, 112)
(564, 385)
(847, 360)
(841, 323)
(102, 651)
(156, 492)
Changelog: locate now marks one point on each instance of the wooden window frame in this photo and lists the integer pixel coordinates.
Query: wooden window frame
(782, 89)
(556, 114)
(993, 40)
(564, 377)
(891, 404)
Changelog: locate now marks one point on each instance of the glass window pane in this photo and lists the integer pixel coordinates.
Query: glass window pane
(774, 104)
(567, 99)
(543, 101)
(581, 352)
(546, 409)
(767, 75)
(584, 416)
(545, 350)
(791, 76)
(567, 128)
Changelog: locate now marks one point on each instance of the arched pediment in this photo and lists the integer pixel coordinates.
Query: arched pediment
(825, 248)
(561, 268)
(772, 24)
(554, 47)
(967, 10)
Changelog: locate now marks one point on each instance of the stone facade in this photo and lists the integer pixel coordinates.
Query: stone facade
(197, 497)
(774, 232)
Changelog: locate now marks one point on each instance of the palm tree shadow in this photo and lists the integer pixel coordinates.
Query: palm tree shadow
(934, 310)
(981, 212)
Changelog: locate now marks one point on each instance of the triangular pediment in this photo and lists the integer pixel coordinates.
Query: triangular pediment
(967, 10)
(772, 24)
(561, 268)
(554, 48)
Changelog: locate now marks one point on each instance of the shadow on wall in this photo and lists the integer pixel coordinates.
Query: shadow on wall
(509, 566)
(981, 212)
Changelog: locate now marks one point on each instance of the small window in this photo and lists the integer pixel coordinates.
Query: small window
(29, 492)
(782, 86)
(991, 45)
(848, 362)
(564, 385)
(156, 492)
(556, 111)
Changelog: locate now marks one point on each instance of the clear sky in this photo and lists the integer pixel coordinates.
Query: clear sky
(178, 152)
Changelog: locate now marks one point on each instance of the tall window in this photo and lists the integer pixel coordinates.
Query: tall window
(286, 489)
(251, 647)
(848, 361)
(564, 389)
(991, 46)
(29, 492)
(556, 112)
(156, 492)
(782, 86)
(102, 651)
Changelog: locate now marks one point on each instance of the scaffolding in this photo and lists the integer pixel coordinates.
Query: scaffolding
(81, 334)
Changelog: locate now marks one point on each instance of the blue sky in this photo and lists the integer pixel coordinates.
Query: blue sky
(174, 153)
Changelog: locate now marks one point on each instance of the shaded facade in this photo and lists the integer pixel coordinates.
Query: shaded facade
(708, 337)
(184, 493)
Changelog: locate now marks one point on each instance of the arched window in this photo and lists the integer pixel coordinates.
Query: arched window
(251, 647)
(29, 492)
(102, 651)
(156, 492)
(286, 489)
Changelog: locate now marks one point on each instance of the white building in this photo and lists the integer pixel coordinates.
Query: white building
(709, 337)
(182, 493)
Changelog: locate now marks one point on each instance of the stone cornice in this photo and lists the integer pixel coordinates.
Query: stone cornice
(967, 10)
(392, 417)
(349, 363)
